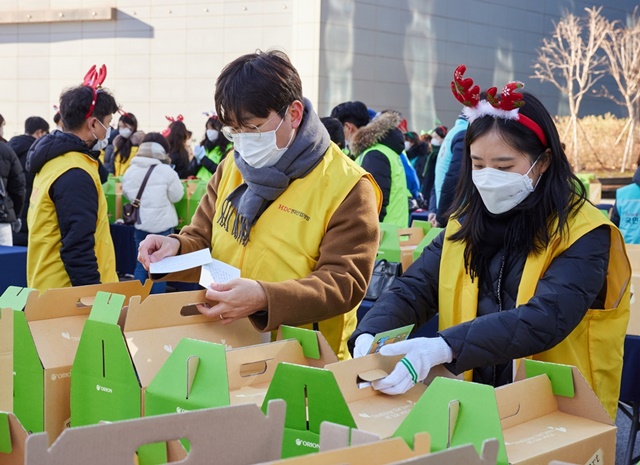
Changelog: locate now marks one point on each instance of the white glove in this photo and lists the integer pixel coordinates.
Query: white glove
(422, 354)
(199, 152)
(363, 344)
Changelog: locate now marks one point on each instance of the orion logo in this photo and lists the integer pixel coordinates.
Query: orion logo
(302, 442)
(168, 348)
(69, 337)
(55, 376)
(104, 389)
(181, 410)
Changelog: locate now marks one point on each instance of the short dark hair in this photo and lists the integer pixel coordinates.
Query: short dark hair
(256, 84)
(335, 130)
(355, 113)
(156, 137)
(441, 131)
(57, 117)
(35, 123)
(76, 102)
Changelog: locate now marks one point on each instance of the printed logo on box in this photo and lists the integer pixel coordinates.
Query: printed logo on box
(104, 389)
(302, 442)
(66, 335)
(56, 376)
(181, 410)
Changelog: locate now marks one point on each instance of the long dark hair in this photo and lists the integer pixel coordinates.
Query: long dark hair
(542, 215)
(177, 138)
(123, 144)
(221, 142)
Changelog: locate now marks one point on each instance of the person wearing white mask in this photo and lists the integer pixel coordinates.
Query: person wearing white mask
(125, 145)
(69, 239)
(289, 209)
(212, 150)
(526, 267)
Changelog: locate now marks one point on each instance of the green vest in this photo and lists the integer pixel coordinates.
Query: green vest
(398, 207)
(215, 155)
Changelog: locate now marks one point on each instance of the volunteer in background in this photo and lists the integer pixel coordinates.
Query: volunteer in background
(69, 239)
(289, 209)
(126, 143)
(626, 210)
(12, 189)
(211, 151)
(527, 267)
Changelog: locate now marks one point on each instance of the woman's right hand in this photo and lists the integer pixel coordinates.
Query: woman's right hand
(155, 247)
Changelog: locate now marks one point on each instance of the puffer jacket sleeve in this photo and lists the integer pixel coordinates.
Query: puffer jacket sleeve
(175, 190)
(412, 298)
(563, 295)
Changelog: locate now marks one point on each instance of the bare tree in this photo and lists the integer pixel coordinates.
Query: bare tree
(622, 49)
(569, 60)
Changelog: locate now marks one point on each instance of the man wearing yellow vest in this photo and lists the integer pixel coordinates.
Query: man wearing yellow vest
(527, 267)
(289, 209)
(69, 239)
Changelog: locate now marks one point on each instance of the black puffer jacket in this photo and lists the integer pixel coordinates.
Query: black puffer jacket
(75, 197)
(573, 283)
(21, 145)
(12, 177)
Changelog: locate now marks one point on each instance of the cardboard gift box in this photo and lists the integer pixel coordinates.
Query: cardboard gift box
(116, 361)
(6, 359)
(237, 435)
(398, 244)
(550, 413)
(12, 440)
(115, 199)
(45, 340)
(194, 190)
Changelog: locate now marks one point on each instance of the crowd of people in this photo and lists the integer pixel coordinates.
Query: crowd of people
(525, 265)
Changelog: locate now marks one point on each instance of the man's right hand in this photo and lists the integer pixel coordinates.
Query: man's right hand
(154, 248)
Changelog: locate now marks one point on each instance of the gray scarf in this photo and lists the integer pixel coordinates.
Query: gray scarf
(263, 185)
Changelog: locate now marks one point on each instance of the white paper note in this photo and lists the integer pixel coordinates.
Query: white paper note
(217, 272)
(181, 262)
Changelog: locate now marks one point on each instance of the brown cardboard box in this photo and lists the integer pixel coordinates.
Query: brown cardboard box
(539, 426)
(45, 341)
(373, 411)
(250, 369)
(6, 360)
(237, 435)
(409, 240)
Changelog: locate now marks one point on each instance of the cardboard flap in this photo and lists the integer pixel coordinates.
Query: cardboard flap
(334, 436)
(15, 297)
(525, 400)
(312, 396)
(410, 236)
(477, 418)
(106, 308)
(349, 374)
(559, 375)
(194, 376)
(208, 431)
(462, 455)
(6, 359)
(314, 345)
(373, 375)
(253, 365)
(12, 440)
(73, 301)
(162, 310)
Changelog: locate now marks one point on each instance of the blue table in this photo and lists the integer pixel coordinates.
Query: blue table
(13, 267)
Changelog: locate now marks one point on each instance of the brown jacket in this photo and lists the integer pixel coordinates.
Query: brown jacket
(344, 268)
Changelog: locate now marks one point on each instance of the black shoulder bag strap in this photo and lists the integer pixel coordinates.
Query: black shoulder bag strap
(136, 202)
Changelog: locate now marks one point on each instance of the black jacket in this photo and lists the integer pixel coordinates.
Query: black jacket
(383, 130)
(12, 177)
(450, 183)
(21, 145)
(573, 283)
(75, 197)
(418, 155)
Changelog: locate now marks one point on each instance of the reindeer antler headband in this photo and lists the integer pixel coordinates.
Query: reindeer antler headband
(94, 79)
(171, 119)
(505, 106)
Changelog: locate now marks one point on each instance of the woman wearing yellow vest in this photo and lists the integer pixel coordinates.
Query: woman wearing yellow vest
(126, 143)
(288, 208)
(527, 268)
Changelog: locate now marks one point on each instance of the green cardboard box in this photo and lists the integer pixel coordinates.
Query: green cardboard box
(122, 359)
(46, 337)
(549, 413)
(194, 190)
(115, 199)
(398, 244)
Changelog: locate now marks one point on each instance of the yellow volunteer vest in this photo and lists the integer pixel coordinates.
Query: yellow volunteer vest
(285, 241)
(45, 269)
(121, 166)
(595, 346)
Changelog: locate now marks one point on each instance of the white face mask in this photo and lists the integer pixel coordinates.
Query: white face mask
(212, 135)
(260, 150)
(436, 142)
(124, 132)
(407, 145)
(101, 143)
(501, 190)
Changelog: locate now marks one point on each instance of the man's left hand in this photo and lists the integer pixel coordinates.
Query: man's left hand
(236, 299)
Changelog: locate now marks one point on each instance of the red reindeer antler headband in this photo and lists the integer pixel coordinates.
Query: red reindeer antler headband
(505, 106)
(167, 131)
(94, 79)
